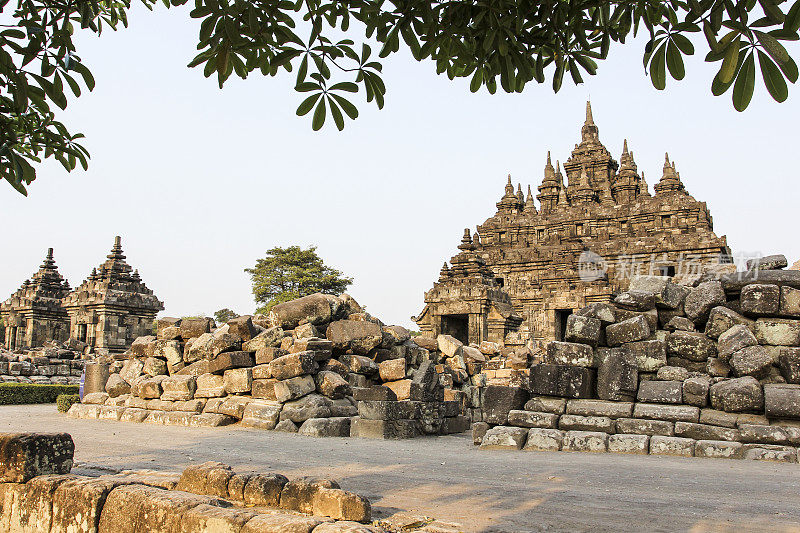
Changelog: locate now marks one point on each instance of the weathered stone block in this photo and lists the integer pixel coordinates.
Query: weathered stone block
(262, 414)
(599, 408)
(763, 434)
(737, 395)
(238, 380)
(228, 360)
(586, 423)
(541, 439)
(340, 504)
(705, 432)
(689, 345)
(751, 361)
(721, 319)
(314, 308)
(778, 331)
(293, 365)
(532, 419)
(789, 361)
(630, 330)
(569, 353)
(790, 302)
(680, 446)
(499, 400)
(672, 413)
(392, 370)
(332, 385)
(766, 454)
(293, 388)
(718, 418)
(782, 401)
(760, 299)
(695, 391)
(735, 339)
(26, 455)
(634, 444)
(385, 429)
(617, 375)
(718, 449)
(546, 404)
(479, 429)
(504, 438)
(178, 388)
(604, 312)
(582, 330)
(650, 355)
(356, 335)
(639, 426)
(584, 441)
(359, 364)
(702, 299)
(326, 427)
(660, 392)
(636, 300)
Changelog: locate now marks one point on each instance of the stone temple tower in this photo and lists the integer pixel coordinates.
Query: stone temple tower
(112, 306)
(522, 276)
(33, 314)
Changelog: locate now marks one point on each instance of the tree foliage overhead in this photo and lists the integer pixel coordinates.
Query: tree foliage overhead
(289, 273)
(505, 43)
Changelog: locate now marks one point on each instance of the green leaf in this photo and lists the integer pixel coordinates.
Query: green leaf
(779, 54)
(675, 61)
(477, 80)
(658, 73)
(319, 115)
(338, 119)
(683, 43)
(347, 86)
(792, 20)
(745, 83)
(307, 86)
(773, 79)
(307, 104)
(348, 108)
(731, 61)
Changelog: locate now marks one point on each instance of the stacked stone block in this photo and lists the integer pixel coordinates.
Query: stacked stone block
(52, 364)
(294, 371)
(709, 368)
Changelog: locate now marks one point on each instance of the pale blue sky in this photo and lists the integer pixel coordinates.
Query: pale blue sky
(201, 182)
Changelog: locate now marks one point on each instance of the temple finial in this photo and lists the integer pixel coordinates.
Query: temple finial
(548, 158)
(589, 118)
(49, 253)
(625, 146)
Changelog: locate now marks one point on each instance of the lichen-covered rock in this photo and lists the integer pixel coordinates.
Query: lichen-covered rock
(691, 346)
(314, 308)
(504, 438)
(24, 456)
(737, 395)
(116, 386)
(569, 353)
(630, 330)
(702, 299)
(356, 335)
(760, 299)
(778, 331)
(583, 330)
(333, 385)
(751, 361)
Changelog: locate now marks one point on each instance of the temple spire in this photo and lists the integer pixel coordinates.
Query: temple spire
(530, 206)
(589, 131)
(589, 117)
(625, 146)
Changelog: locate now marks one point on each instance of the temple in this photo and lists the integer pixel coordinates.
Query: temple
(112, 306)
(33, 315)
(525, 269)
(109, 310)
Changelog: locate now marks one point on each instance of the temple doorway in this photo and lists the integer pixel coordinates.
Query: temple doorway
(457, 326)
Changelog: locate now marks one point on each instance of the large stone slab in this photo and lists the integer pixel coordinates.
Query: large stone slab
(504, 438)
(499, 400)
(782, 401)
(737, 395)
(24, 456)
(630, 330)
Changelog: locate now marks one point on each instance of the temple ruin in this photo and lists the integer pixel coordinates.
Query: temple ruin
(33, 315)
(109, 310)
(526, 269)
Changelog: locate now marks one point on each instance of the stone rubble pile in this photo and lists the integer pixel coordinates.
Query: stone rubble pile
(295, 370)
(59, 364)
(37, 493)
(709, 369)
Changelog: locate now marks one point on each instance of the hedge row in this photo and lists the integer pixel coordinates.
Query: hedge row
(65, 401)
(19, 393)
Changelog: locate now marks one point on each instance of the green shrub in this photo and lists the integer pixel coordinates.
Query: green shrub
(20, 393)
(65, 401)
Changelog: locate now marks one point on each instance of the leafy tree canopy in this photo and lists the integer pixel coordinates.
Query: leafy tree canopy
(492, 42)
(289, 273)
(223, 315)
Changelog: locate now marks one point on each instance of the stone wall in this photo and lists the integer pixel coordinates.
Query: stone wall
(318, 365)
(711, 368)
(38, 494)
(55, 364)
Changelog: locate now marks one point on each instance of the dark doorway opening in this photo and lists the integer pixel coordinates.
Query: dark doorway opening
(561, 323)
(13, 340)
(82, 331)
(457, 326)
(667, 270)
